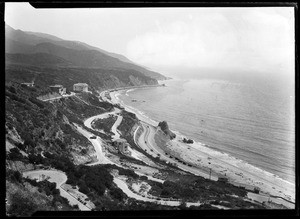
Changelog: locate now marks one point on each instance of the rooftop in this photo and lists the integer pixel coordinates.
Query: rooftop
(57, 85)
(81, 84)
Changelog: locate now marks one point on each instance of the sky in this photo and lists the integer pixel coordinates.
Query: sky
(170, 40)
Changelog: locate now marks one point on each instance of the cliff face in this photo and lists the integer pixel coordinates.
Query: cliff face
(165, 128)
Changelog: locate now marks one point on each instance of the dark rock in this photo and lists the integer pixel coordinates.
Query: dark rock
(165, 128)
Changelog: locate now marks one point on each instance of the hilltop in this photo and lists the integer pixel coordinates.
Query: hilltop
(23, 45)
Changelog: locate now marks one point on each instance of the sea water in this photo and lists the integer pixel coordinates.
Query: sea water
(251, 123)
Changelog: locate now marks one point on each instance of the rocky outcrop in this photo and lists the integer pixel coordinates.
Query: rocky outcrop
(165, 128)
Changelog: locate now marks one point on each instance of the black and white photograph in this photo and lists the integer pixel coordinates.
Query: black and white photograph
(150, 109)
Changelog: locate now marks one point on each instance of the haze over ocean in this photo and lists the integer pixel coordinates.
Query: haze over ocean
(250, 121)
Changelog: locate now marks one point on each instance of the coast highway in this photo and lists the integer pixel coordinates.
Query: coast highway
(102, 159)
(146, 141)
(147, 136)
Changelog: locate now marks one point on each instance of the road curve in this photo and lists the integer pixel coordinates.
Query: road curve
(124, 187)
(146, 141)
(59, 178)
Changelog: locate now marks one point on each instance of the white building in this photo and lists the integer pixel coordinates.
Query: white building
(80, 87)
(122, 146)
(58, 89)
(28, 84)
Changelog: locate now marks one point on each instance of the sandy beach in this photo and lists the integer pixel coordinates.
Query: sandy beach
(237, 171)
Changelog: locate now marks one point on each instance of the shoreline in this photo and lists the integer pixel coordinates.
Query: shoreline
(260, 178)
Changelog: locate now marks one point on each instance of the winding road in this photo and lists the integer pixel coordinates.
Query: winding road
(59, 178)
(102, 159)
(146, 142)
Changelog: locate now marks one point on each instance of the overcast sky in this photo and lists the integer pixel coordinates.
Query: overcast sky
(258, 39)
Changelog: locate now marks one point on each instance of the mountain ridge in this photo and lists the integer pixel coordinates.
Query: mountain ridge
(18, 41)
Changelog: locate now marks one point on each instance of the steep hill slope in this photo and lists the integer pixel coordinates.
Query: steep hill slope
(78, 53)
(38, 59)
(78, 45)
(97, 79)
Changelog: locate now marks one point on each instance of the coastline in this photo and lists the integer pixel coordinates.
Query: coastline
(238, 171)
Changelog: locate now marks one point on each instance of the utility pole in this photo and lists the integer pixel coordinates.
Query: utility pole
(209, 173)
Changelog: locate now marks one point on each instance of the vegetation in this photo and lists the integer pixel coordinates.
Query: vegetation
(96, 78)
(26, 196)
(21, 206)
(14, 154)
(105, 124)
(49, 137)
(199, 189)
(94, 101)
(13, 176)
(128, 122)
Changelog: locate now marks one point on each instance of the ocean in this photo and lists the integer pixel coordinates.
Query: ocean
(252, 123)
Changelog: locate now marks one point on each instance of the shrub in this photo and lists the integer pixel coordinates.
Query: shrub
(21, 146)
(117, 193)
(28, 141)
(14, 176)
(14, 154)
(21, 206)
(37, 102)
(128, 172)
(84, 189)
(35, 159)
(165, 192)
(143, 178)
(12, 90)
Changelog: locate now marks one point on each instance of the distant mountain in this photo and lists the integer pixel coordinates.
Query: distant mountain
(74, 52)
(13, 46)
(23, 37)
(88, 47)
(40, 59)
(78, 45)
(44, 35)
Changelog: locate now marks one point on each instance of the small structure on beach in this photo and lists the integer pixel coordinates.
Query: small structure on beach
(58, 89)
(122, 146)
(223, 179)
(256, 190)
(80, 87)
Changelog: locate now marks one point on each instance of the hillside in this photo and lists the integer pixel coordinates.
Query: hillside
(38, 59)
(61, 153)
(49, 60)
(78, 45)
(44, 136)
(98, 79)
(78, 53)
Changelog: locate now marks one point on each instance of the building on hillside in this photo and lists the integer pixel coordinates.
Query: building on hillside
(58, 89)
(28, 84)
(122, 146)
(81, 87)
